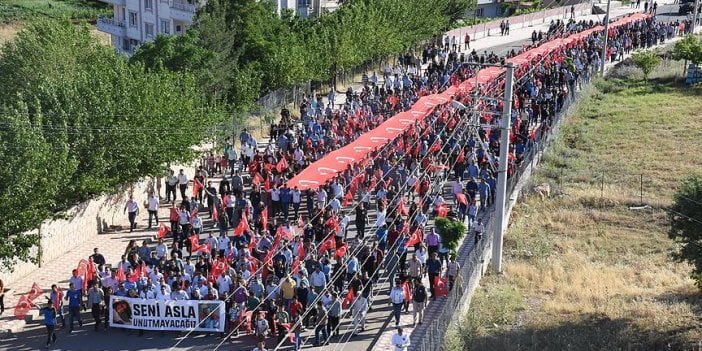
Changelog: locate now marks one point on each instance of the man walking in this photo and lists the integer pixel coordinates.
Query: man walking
(74, 301)
(153, 208)
(419, 301)
(96, 297)
(397, 297)
(132, 207)
(49, 313)
(401, 341)
(360, 308)
(434, 270)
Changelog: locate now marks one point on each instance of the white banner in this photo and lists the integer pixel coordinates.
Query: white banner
(177, 315)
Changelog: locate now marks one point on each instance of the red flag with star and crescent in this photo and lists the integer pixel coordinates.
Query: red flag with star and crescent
(242, 227)
(329, 244)
(440, 286)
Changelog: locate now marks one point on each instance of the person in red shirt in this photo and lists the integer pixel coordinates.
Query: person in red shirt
(295, 308)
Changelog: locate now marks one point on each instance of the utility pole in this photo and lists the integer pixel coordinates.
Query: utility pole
(694, 16)
(606, 34)
(502, 172)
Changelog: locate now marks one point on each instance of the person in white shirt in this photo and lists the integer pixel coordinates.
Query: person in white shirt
(133, 208)
(380, 220)
(322, 198)
(222, 244)
(161, 249)
(335, 204)
(400, 341)
(456, 187)
(153, 208)
(296, 200)
(196, 222)
(212, 241)
(360, 308)
(397, 297)
(224, 283)
(182, 184)
(318, 280)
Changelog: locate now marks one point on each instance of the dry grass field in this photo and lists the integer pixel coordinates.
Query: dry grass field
(583, 270)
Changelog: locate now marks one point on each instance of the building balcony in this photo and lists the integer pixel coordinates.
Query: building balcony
(112, 26)
(182, 10)
(116, 2)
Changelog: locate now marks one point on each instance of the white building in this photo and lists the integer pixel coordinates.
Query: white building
(137, 21)
(134, 22)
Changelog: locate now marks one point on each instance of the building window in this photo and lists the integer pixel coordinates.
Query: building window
(165, 27)
(149, 29)
(479, 12)
(149, 4)
(179, 28)
(125, 44)
(133, 19)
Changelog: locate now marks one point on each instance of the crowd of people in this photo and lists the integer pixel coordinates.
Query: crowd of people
(285, 260)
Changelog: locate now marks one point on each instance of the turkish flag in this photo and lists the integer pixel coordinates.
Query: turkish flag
(34, 292)
(461, 157)
(348, 198)
(414, 239)
(329, 244)
(282, 165)
(462, 198)
(442, 211)
(215, 213)
(120, 273)
(134, 276)
(264, 217)
(296, 265)
(242, 227)
(257, 179)
(90, 274)
(252, 243)
(82, 267)
(267, 186)
(440, 286)
(406, 290)
(286, 233)
(332, 223)
(163, 231)
(402, 208)
(24, 305)
(436, 146)
(348, 300)
(341, 251)
(143, 270)
(301, 250)
(218, 267)
(300, 222)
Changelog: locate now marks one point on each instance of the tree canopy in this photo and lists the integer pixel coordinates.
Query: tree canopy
(689, 48)
(78, 120)
(257, 51)
(686, 225)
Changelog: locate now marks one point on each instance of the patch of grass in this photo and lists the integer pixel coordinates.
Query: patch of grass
(588, 272)
(22, 10)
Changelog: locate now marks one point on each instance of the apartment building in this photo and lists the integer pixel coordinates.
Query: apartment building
(134, 22)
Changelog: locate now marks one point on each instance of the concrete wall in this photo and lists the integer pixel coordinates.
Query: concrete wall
(82, 223)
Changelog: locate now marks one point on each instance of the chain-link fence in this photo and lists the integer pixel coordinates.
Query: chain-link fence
(474, 257)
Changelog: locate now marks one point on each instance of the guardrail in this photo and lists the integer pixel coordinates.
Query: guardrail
(486, 29)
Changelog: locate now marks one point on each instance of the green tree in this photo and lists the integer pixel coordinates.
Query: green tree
(689, 48)
(647, 61)
(85, 121)
(686, 225)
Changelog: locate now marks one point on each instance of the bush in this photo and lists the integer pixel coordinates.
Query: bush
(647, 61)
(451, 231)
(626, 72)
